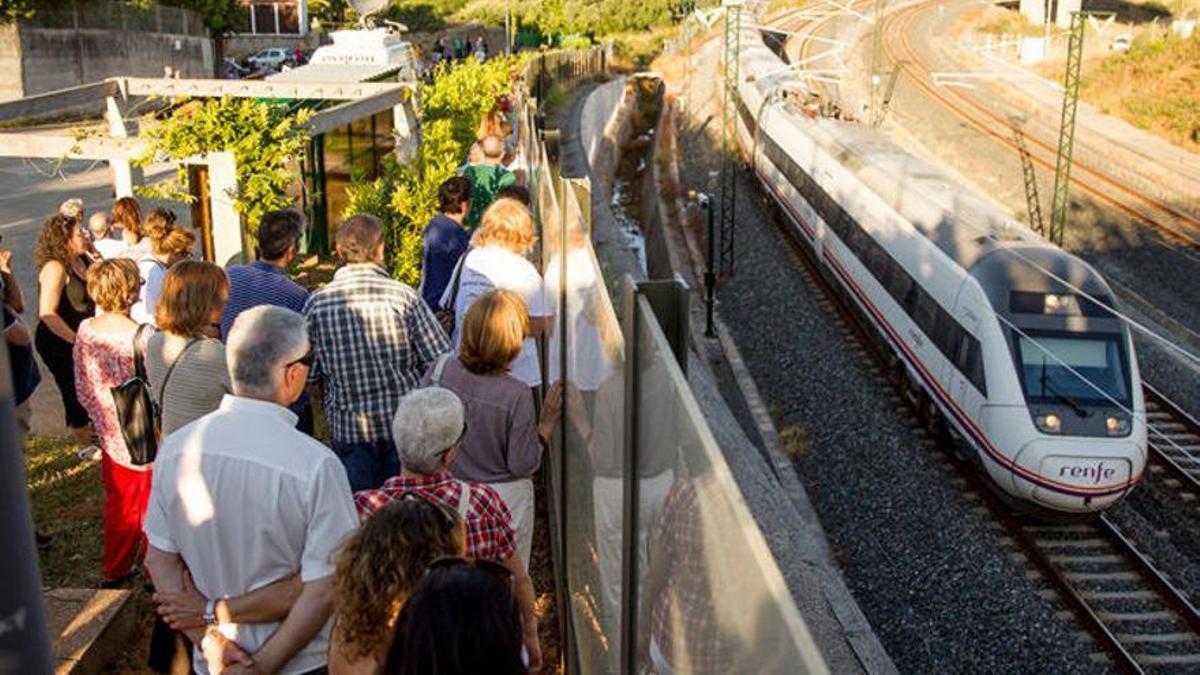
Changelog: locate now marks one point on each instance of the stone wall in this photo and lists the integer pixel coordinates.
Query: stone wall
(37, 60)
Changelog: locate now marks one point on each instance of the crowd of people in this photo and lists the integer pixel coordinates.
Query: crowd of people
(403, 545)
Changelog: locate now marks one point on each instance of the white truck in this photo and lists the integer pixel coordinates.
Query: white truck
(369, 47)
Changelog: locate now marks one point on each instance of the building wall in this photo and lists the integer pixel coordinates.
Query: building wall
(53, 58)
(11, 68)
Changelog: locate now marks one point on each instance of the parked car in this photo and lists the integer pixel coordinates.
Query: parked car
(272, 57)
(1120, 43)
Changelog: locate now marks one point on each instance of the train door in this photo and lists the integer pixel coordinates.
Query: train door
(967, 383)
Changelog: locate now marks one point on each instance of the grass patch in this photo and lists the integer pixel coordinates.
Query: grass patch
(1155, 87)
(67, 498)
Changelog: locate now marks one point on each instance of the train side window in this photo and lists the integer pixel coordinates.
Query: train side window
(899, 283)
(924, 311)
(974, 370)
(945, 333)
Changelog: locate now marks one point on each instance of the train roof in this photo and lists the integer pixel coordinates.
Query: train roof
(961, 224)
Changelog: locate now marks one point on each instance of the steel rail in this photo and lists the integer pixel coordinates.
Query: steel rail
(913, 71)
(1180, 416)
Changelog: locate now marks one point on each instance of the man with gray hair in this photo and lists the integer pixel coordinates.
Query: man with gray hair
(487, 178)
(103, 240)
(241, 499)
(373, 339)
(428, 426)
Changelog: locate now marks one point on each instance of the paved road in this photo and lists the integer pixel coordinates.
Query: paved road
(32, 190)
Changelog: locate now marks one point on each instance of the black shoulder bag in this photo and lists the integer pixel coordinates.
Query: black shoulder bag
(137, 412)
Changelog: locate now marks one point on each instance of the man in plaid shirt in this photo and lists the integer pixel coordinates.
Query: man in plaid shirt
(373, 338)
(427, 428)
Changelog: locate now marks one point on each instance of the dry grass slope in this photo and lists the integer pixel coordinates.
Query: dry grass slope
(1155, 87)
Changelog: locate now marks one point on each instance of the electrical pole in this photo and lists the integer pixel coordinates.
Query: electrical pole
(733, 25)
(1066, 129)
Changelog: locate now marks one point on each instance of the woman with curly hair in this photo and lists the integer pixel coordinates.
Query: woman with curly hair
(378, 567)
(63, 303)
(169, 243)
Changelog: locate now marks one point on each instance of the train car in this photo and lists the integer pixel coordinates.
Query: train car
(1007, 337)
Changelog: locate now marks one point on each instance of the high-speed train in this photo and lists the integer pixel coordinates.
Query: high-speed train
(1008, 336)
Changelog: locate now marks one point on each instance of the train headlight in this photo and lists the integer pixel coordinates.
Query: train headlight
(1048, 423)
(1116, 426)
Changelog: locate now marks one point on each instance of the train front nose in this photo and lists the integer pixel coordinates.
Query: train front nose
(1077, 475)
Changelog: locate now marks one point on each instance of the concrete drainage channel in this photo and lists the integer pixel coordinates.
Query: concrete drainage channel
(619, 136)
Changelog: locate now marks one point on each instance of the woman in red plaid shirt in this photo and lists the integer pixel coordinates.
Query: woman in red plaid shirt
(427, 428)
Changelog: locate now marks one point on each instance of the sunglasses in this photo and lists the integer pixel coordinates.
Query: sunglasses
(306, 360)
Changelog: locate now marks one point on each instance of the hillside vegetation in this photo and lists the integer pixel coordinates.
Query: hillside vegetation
(1155, 87)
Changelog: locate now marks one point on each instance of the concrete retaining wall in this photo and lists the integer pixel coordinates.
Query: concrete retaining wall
(38, 60)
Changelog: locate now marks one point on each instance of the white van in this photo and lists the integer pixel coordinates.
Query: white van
(374, 47)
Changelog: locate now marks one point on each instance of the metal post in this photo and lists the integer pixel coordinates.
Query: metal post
(710, 275)
(629, 520)
(733, 24)
(1066, 129)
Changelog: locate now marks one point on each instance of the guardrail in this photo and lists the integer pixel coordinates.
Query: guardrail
(659, 562)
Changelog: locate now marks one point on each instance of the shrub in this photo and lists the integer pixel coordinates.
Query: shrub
(405, 197)
(265, 138)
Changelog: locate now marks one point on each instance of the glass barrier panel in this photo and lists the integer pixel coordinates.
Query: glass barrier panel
(711, 598)
(593, 445)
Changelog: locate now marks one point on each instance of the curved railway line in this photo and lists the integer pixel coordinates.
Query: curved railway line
(1133, 611)
(1175, 225)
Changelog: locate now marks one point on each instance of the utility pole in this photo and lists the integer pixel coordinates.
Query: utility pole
(733, 26)
(1066, 128)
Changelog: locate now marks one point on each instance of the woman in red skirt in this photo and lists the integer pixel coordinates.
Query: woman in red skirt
(104, 358)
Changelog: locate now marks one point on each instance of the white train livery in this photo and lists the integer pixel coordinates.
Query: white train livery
(995, 326)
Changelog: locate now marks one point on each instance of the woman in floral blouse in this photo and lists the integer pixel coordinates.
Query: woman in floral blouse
(104, 358)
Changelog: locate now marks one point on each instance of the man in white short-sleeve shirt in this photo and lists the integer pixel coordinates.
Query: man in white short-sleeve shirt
(241, 499)
(491, 267)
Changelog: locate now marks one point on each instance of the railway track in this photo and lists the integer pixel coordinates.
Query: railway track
(1174, 225)
(1174, 442)
(1132, 610)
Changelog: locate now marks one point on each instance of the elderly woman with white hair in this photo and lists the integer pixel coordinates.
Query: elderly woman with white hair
(427, 429)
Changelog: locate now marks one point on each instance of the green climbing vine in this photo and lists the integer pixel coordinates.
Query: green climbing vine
(266, 140)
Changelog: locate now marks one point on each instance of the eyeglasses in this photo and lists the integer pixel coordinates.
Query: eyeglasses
(492, 567)
(306, 360)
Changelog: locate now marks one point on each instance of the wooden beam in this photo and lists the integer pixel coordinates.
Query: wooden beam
(61, 100)
(146, 86)
(345, 113)
(53, 146)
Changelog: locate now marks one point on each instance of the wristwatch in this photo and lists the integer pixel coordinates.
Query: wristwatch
(210, 612)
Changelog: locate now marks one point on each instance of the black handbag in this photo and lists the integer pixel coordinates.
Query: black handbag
(445, 315)
(137, 411)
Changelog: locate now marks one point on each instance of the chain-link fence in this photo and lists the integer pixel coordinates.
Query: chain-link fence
(108, 15)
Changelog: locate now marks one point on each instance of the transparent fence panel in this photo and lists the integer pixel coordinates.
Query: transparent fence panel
(711, 598)
(587, 362)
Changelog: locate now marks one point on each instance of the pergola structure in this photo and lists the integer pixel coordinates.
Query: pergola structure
(221, 226)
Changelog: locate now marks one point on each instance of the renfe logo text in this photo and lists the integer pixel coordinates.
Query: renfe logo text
(1097, 473)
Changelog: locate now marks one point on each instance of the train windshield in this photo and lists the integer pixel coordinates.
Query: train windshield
(1073, 370)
